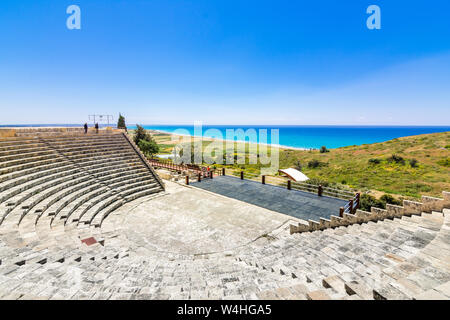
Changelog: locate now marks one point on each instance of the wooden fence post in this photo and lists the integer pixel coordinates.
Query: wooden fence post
(242, 175)
(263, 179)
(199, 177)
(187, 180)
(211, 175)
(358, 204)
(341, 212)
(351, 206)
(289, 186)
(320, 191)
(223, 171)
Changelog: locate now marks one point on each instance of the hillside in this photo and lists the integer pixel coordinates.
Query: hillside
(408, 166)
(420, 165)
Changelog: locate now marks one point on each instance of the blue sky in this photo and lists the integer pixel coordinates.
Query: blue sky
(226, 62)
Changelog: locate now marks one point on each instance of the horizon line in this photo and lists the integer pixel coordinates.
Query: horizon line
(246, 125)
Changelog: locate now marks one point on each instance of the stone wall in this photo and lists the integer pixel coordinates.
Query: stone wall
(409, 208)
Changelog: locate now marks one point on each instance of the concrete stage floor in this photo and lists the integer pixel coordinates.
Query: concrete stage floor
(299, 204)
(191, 221)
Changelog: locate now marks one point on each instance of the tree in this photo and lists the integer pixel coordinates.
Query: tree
(149, 148)
(121, 122)
(145, 141)
(141, 134)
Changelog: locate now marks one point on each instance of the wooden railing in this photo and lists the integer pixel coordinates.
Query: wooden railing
(202, 171)
(351, 206)
(293, 185)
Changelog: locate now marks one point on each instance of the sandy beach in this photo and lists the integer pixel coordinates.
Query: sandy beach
(195, 138)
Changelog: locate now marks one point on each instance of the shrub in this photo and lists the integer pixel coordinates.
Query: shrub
(315, 164)
(318, 181)
(396, 159)
(413, 163)
(447, 146)
(388, 199)
(374, 161)
(367, 201)
(298, 165)
(444, 162)
(324, 149)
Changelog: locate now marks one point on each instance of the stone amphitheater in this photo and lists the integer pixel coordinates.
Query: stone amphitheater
(84, 216)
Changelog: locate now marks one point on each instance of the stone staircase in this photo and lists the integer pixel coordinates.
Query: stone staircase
(403, 258)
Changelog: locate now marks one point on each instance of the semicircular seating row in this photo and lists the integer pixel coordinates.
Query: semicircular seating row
(67, 181)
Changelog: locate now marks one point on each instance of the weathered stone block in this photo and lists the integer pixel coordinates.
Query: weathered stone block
(381, 213)
(394, 211)
(432, 204)
(350, 218)
(313, 225)
(412, 208)
(336, 221)
(325, 223)
(446, 196)
(363, 216)
(301, 227)
(318, 295)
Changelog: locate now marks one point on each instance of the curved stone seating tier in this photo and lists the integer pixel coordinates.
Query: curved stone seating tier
(79, 200)
(100, 171)
(46, 175)
(63, 202)
(365, 257)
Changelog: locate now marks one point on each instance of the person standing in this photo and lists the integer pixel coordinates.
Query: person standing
(96, 127)
(85, 128)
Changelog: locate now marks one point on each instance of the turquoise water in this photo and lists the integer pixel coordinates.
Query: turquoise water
(317, 136)
(309, 136)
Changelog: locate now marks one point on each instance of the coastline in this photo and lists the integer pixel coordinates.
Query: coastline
(311, 137)
(278, 146)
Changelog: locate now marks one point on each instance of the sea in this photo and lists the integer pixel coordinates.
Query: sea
(313, 137)
(303, 137)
